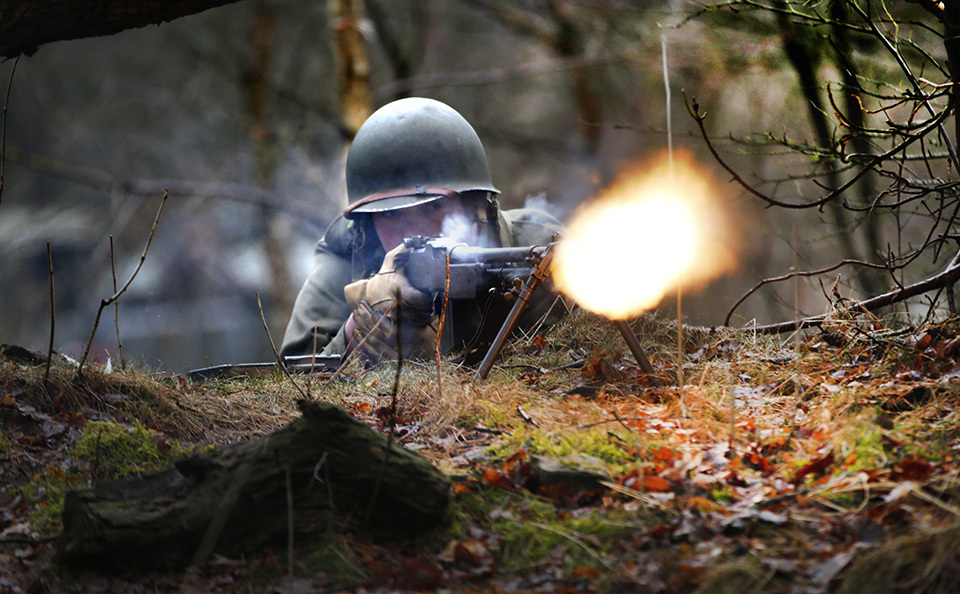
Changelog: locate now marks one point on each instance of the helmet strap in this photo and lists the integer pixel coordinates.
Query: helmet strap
(367, 253)
(493, 219)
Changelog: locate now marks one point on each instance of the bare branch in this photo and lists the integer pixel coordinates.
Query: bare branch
(26, 26)
(105, 302)
(3, 134)
(521, 21)
(276, 353)
(699, 118)
(53, 314)
(496, 75)
(116, 304)
(796, 274)
(949, 276)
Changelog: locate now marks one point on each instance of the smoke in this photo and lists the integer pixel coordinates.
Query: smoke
(537, 201)
(459, 228)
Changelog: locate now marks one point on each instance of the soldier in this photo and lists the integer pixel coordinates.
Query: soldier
(416, 167)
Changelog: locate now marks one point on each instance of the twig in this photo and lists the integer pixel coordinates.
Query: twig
(950, 275)
(353, 354)
(575, 541)
(3, 142)
(313, 363)
(393, 407)
(487, 430)
(53, 315)
(443, 319)
(619, 419)
(105, 302)
(526, 417)
(699, 118)
(276, 353)
(908, 72)
(116, 305)
(289, 530)
(680, 381)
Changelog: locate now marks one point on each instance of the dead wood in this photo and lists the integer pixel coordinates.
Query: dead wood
(234, 500)
(25, 26)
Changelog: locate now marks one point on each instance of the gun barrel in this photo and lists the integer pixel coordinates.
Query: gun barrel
(463, 254)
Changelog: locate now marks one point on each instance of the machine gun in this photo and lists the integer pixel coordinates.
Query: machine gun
(438, 265)
(515, 272)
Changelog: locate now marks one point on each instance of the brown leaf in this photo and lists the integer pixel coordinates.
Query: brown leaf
(815, 468)
(414, 574)
(656, 484)
(912, 468)
(921, 340)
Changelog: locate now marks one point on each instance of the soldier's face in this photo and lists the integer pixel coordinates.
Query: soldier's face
(430, 219)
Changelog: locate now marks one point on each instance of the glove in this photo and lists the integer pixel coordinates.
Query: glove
(372, 298)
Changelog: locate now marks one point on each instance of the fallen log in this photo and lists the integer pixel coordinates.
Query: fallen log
(339, 474)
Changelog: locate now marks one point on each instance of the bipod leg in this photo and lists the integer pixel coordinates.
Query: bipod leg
(631, 339)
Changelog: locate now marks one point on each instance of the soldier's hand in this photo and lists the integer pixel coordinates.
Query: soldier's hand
(377, 297)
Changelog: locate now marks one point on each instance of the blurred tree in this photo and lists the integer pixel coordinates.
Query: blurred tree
(275, 228)
(353, 64)
(560, 27)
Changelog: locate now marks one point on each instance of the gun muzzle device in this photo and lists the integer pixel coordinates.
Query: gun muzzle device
(438, 264)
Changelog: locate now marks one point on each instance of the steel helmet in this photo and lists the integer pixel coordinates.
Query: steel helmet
(410, 152)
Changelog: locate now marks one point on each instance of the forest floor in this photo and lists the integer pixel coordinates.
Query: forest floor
(819, 463)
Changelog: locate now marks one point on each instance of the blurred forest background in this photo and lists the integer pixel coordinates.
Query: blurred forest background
(245, 112)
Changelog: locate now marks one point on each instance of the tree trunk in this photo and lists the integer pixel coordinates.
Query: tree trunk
(280, 291)
(353, 64)
(338, 473)
(25, 25)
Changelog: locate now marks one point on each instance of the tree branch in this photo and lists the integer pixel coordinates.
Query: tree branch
(949, 276)
(25, 25)
(698, 117)
(800, 273)
(3, 125)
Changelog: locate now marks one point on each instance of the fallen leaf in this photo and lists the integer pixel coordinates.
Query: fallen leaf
(656, 484)
(815, 468)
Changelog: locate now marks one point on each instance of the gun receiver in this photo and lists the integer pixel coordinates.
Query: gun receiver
(473, 270)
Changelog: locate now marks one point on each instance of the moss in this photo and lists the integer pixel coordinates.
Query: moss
(6, 446)
(869, 447)
(46, 493)
(722, 494)
(118, 450)
(596, 442)
(530, 530)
